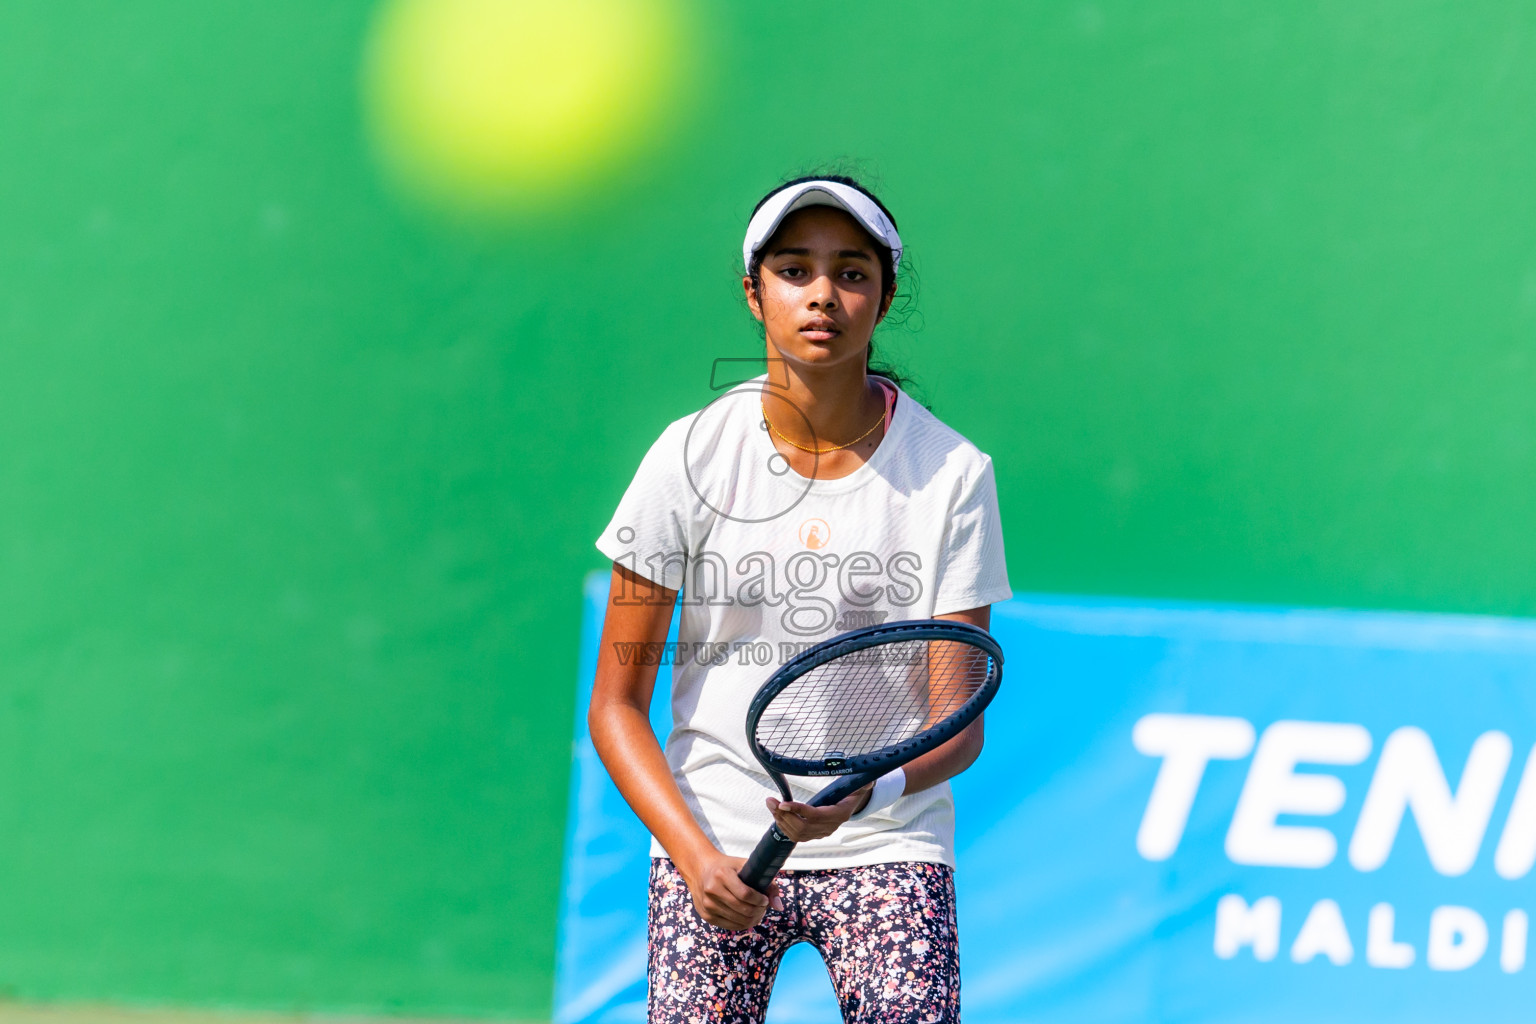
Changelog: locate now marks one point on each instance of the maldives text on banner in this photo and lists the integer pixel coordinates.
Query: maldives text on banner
(1188, 813)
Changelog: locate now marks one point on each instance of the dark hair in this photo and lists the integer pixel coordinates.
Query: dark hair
(882, 253)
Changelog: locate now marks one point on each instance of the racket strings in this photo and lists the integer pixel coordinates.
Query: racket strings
(871, 699)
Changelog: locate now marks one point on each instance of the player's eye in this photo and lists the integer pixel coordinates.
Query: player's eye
(854, 275)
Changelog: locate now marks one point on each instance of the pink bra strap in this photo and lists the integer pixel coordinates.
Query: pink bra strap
(890, 401)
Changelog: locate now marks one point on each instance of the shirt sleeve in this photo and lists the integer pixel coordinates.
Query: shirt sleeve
(649, 532)
(972, 570)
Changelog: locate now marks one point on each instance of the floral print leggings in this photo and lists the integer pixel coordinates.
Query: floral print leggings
(886, 932)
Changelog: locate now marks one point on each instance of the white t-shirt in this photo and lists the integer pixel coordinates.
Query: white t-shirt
(770, 562)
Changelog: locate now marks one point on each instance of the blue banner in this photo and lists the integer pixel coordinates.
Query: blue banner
(1187, 813)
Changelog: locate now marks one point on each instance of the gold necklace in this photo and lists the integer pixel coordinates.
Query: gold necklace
(822, 451)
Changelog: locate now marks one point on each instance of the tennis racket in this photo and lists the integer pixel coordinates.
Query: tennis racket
(862, 704)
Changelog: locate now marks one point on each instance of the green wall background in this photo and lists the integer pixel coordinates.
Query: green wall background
(297, 486)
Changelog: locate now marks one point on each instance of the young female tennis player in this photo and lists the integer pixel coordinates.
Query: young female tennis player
(814, 498)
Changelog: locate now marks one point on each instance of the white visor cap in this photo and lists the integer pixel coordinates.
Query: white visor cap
(819, 193)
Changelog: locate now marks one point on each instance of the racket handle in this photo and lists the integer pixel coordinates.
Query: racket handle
(774, 848)
(771, 853)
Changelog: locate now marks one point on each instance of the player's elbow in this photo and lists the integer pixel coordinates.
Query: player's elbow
(601, 715)
(604, 713)
(971, 742)
(611, 706)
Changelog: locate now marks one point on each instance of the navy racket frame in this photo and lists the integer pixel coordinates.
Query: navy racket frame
(859, 769)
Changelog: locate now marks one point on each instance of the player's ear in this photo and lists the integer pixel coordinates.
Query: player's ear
(752, 301)
(885, 304)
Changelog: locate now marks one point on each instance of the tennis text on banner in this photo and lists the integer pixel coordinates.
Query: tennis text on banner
(1288, 781)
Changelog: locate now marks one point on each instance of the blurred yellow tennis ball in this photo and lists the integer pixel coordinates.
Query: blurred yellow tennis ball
(486, 102)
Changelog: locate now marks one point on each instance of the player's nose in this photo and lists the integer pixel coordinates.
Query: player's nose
(820, 294)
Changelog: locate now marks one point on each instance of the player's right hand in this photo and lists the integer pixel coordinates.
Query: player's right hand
(722, 898)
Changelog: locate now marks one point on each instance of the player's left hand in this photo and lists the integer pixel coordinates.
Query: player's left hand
(802, 822)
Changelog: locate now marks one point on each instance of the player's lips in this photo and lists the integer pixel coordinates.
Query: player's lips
(820, 329)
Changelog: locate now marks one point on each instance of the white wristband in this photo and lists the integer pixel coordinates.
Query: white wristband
(888, 789)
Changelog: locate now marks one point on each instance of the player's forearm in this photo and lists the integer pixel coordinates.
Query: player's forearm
(622, 735)
(946, 761)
